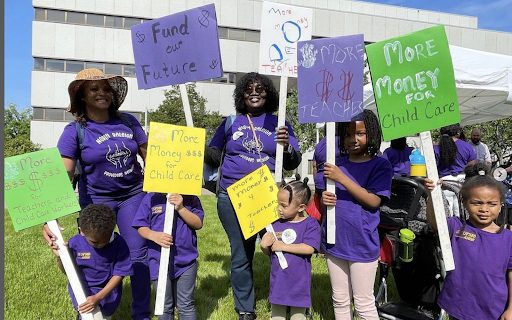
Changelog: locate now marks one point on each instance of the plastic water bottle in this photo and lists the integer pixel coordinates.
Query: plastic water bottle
(418, 166)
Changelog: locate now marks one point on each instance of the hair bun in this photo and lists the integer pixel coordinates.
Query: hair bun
(305, 182)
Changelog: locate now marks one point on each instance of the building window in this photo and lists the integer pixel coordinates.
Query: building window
(74, 66)
(310, 166)
(54, 65)
(129, 70)
(37, 113)
(54, 114)
(253, 36)
(115, 22)
(95, 65)
(40, 14)
(130, 22)
(56, 15)
(95, 20)
(223, 32)
(113, 69)
(38, 64)
(76, 17)
(235, 34)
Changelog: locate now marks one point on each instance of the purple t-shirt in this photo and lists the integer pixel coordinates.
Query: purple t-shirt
(109, 157)
(399, 160)
(183, 254)
(320, 157)
(477, 288)
(95, 268)
(292, 286)
(357, 238)
(242, 155)
(464, 155)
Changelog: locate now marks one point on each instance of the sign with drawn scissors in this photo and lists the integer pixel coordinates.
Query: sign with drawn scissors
(330, 81)
(178, 48)
(254, 198)
(282, 26)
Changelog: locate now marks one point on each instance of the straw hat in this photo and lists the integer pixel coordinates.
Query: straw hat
(118, 84)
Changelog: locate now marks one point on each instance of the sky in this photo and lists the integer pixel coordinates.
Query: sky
(492, 15)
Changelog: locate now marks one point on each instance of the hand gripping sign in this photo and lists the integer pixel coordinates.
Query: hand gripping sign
(37, 190)
(254, 198)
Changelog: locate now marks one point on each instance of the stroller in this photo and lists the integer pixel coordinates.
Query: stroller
(419, 281)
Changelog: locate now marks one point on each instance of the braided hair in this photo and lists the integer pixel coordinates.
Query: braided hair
(373, 133)
(298, 190)
(447, 147)
(272, 100)
(479, 181)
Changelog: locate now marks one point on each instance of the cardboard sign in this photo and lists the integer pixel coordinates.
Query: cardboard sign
(174, 161)
(330, 81)
(282, 26)
(254, 198)
(413, 83)
(179, 48)
(37, 188)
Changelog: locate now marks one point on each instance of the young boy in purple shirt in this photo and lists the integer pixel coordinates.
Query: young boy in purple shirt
(188, 217)
(102, 257)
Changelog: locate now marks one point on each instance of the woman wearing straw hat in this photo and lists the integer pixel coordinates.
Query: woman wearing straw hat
(111, 173)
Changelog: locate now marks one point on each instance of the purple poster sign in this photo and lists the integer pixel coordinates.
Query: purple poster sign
(330, 79)
(179, 48)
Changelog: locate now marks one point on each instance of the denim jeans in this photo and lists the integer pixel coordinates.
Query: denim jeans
(242, 253)
(179, 293)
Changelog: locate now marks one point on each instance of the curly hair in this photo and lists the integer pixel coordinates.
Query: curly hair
(272, 100)
(480, 181)
(97, 218)
(447, 147)
(373, 133)
(298, 190)
(78, 107)
(477, 169)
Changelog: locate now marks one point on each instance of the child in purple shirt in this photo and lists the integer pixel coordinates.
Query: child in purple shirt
(102, 258)
(188, 217)
(298, 237)
(480, 286)
(363, 183)
(398, 155)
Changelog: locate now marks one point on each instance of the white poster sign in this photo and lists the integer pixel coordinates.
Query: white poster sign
(282, 26)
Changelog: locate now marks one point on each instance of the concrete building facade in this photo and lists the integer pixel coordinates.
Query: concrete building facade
(70, 35)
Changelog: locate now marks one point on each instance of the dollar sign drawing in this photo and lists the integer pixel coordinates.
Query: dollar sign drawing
(141, 37)
(38, 183)
(346, 95)
(251, 226)
(324, 93)
(203, 21)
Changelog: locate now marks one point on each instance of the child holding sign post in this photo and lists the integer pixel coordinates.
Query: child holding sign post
(102, 257)
(363, 183)
(482, 252)
(149, 221)
(298, 237)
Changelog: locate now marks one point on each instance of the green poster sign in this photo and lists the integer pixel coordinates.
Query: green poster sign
(37, 188)
(413, 83)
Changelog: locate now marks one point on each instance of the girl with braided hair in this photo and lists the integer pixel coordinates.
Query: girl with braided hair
(298, 237)
(363, 183)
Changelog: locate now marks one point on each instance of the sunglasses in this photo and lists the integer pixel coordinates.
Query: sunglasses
(258, 90)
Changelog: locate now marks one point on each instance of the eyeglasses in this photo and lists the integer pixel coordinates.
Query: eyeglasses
(249, 90)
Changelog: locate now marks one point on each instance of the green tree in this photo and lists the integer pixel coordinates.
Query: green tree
(17, 131)
(171, 111)
(497, 135)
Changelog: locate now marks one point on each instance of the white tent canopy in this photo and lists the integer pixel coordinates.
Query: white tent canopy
(484, 85)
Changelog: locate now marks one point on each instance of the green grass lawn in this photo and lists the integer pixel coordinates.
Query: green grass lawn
(36, 289)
